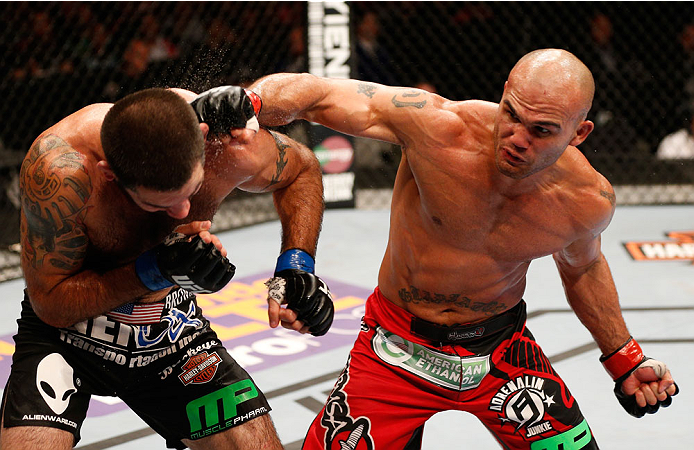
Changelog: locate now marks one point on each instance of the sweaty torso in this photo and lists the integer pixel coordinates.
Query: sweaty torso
(459, 245)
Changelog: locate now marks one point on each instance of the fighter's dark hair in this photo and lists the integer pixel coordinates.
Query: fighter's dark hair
(152, 139)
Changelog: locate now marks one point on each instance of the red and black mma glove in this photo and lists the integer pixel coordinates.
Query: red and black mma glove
(227, 107)
(185, 261)
(295, 285)
(623, 362)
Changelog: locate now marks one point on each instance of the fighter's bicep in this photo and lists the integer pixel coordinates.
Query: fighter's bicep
(369, 110)
(55, 187)
(407, 115)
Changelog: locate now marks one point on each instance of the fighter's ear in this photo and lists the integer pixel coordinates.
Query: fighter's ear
(205, 130)
(106, 170)
(582, 132)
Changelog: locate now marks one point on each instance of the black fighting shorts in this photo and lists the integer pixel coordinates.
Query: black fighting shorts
(173, 373)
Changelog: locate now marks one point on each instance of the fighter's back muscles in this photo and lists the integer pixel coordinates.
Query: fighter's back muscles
(56, 186)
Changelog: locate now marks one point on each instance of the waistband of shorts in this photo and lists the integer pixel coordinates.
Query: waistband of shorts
(406, 324)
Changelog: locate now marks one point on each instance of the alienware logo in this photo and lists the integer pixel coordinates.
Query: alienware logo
(55, 382)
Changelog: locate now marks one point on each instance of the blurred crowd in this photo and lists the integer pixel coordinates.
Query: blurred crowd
(60, 56)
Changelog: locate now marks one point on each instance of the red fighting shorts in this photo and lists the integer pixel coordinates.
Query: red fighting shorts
(403, 370)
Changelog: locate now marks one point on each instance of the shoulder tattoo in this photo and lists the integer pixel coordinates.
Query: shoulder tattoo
(610, 196)
(281, 157)
(54, 189)
(413, 98)
(367, 89)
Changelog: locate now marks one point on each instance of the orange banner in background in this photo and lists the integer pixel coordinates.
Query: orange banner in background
(679, 248)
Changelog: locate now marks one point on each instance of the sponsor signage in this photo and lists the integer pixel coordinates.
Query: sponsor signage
(679, 247)
(448, 371)
(329, 55)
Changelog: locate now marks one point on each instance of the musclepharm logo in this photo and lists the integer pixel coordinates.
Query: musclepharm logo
(442, 369)
(207, 407)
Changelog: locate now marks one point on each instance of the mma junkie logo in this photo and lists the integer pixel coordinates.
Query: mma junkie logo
(680, 247)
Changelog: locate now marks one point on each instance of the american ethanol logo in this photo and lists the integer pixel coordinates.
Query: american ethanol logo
(442, 369)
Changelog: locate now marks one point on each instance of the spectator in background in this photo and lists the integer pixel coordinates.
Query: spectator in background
(294, 60)
(620, 83)
(680, 144)
(100, 54)
(150, 46)
(49, 61)
(187, 29)
(211, 62)
(621, 77)
(686, 68)
(373, 61)
(426, 86)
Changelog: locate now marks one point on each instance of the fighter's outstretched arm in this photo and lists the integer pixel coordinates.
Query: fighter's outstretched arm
(642, 384)
(392, 114)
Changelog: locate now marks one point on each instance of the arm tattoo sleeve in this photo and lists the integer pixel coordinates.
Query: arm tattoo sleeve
(281, 158)
(54, 188)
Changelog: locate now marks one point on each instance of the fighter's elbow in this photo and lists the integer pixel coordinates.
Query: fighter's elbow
(48, 315)
(50, 311)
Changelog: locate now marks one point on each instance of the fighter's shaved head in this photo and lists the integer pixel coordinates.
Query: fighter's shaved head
(557, 72)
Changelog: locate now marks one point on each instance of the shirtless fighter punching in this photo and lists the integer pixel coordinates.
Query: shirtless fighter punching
(110, 306)
(482, 190)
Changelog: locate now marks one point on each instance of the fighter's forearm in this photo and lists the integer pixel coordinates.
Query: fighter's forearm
(593, 297)
(286, 96)
(300, 208)
(85, 295)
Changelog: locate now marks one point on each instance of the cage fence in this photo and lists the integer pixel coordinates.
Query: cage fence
(60, 56)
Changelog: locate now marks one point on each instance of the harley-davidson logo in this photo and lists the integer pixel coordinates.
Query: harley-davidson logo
(200, 368)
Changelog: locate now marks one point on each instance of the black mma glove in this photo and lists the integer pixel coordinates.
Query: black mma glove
(227, 107)
(185, 261)
(296, 286)
(623, 362)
